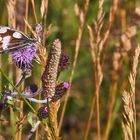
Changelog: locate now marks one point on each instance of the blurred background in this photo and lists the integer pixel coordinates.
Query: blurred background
(116, 57)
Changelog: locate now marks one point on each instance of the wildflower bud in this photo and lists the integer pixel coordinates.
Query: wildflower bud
(23, 57)
(43, 112)
(60, 91)
(64, 62)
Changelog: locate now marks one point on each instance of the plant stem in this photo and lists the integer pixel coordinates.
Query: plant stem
(17, 90)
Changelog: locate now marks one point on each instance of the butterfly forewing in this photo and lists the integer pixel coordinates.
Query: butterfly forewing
(11, 39)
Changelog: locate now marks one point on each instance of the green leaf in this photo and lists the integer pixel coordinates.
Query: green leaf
(30, 119)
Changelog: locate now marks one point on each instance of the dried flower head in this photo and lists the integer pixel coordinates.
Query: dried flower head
(43, 112)
(64, 62)
(49, 76)
(23, 57)
(60, 91)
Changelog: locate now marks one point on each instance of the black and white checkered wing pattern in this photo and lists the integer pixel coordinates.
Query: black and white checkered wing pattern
(11, 39)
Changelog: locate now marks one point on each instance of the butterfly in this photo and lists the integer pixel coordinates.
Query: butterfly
(11, 39)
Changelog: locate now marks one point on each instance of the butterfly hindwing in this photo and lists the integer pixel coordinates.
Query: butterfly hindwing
(11, 39)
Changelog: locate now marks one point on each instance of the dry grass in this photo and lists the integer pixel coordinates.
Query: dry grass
(34, 11)
(49, 81)
(97, 42)
(81, 14)
(11, 8)
(44, 12)
(128, 97)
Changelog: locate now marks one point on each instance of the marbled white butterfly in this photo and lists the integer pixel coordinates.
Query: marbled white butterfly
(11, 39)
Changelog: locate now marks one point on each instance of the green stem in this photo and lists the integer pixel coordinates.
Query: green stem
(17, 91)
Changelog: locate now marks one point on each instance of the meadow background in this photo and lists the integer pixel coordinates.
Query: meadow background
(99, 69)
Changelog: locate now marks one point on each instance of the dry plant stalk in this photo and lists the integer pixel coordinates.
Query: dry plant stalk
(128, 97)
(34, 11)
(96, 43)
(44, 11)
(25, 12)
(44, 8)
(112, 91)
(49, 76)
(127, 33)
(11, 8)
(49, 79)
(117, 64)
(19, 10)
(20, 13)
(129, 115)
(81, 14)
(54, 107)
(48, 131)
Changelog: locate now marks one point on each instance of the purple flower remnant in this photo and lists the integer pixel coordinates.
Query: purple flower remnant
(43, 112)
(23, 57)
(60, 91)
(64, 62)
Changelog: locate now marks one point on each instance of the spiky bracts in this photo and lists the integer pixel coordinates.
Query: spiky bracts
(43, 112)
(60, 91)
(64, 62)
(49, 76)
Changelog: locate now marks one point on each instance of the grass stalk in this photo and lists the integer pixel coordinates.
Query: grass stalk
(82, 15)
(34, 11)
(89, 119)
(22, 87)
(44, 12)
(97, 42)
(113, 90)
(128, 97)
(21, 125)
(11, 6)
(26, 14)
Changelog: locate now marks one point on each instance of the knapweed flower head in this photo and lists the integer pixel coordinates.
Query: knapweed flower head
(60, 91)
(43, 112)
(64, 62)
(23, 57)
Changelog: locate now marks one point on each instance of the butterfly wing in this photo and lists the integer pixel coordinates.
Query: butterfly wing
(11, 39)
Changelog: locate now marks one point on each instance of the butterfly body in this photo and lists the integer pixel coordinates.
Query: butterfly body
(11, 39)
